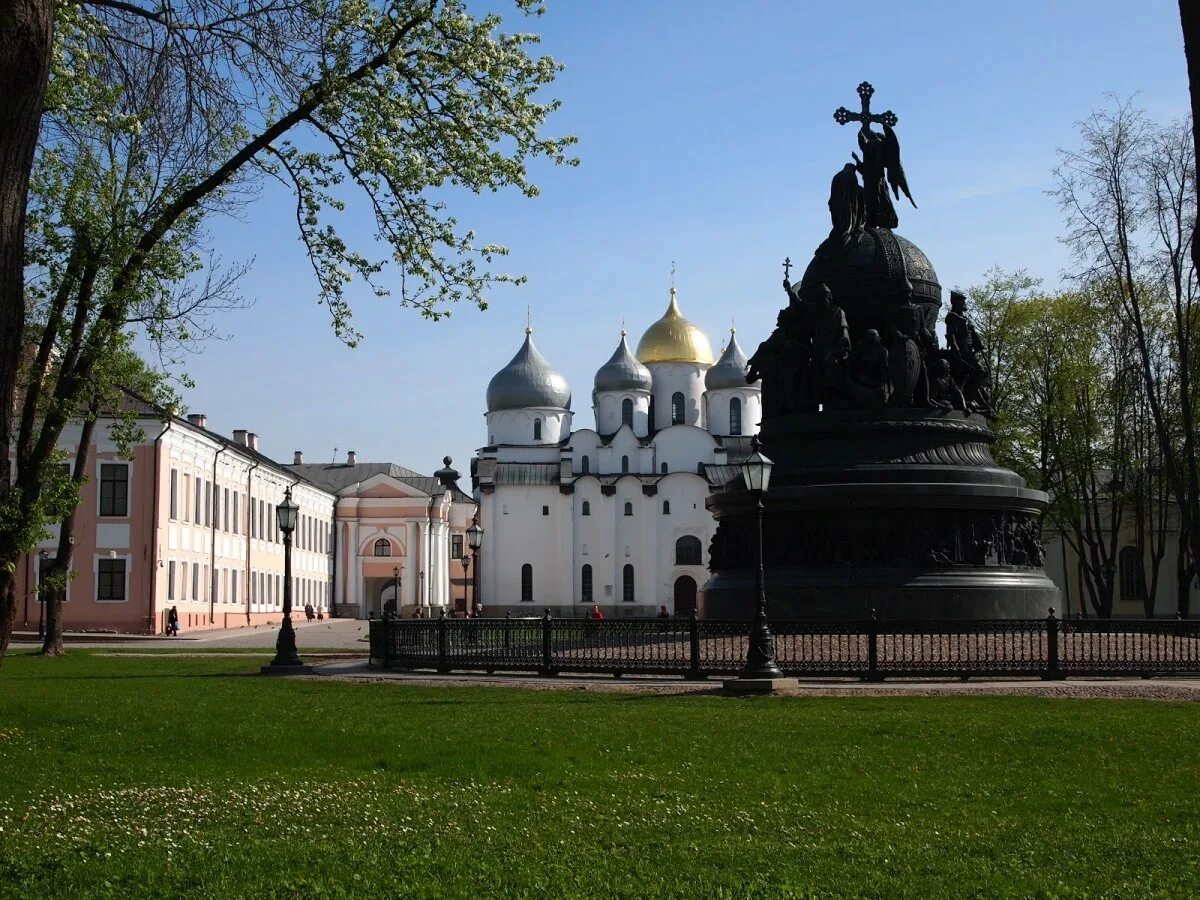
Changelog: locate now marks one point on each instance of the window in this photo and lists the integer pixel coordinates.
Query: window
(627, 412)
(627, 584)
(527, 583)
(114, 490)
(688, 551)
(585, 465)
(587, 509)
(628, 508)
(195, 581)
(1131, 574)
(624, 465)
(187, 493)
(174, 494)
(233, 582)
(225, 512)
(677, 408)
(666, 507)
(208, 502)
(545, 510)
(236, 518)
(585, 585)
(110, 580)
(537, 429)
(735, 416)
(383, 547)
(663, 468)
(198, 506)
(456, 546)
(171, 580)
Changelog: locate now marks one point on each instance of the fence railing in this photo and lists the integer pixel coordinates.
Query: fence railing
(1050, 648)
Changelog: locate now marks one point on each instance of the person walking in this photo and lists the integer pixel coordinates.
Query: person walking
(662, 612)
(173, 622)
(595, 614)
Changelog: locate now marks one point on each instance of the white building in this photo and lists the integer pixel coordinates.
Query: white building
(612, 515)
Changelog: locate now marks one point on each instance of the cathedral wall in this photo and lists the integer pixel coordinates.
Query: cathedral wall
(683, 448)
(520, 533)
(607, 408)
(518, 426)
(718, 410)
(688, 516)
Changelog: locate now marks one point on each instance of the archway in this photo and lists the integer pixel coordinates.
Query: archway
(685, 595)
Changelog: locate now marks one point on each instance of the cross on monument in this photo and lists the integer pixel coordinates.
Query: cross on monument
(841, 115)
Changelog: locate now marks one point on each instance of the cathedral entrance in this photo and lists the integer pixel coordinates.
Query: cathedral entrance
(685, 595)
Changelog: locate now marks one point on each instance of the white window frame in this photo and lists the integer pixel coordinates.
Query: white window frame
(96, 557)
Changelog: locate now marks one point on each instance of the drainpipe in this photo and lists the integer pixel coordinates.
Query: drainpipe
(247, 530)
(151, 603)
(214, 504)
(333, 545)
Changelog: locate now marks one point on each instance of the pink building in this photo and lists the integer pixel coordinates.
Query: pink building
(189, 522)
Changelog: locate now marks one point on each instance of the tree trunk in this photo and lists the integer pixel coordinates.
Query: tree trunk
(52, 642)
(26, 45)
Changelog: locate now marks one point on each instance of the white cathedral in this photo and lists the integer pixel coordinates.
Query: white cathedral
(614, 515)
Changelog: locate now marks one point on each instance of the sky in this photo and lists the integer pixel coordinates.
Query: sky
(707, 139)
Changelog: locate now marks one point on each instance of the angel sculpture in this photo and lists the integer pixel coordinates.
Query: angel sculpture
(880, 163)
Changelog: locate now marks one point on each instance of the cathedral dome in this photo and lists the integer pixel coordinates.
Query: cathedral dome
(528, 381)
(730, 370)
(623, 372)
(674, 339)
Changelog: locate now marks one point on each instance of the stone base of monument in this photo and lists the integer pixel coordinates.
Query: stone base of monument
(901, 513)
(287, 670)
(757, 685)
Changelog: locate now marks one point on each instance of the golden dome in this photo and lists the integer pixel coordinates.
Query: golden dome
(674, 339)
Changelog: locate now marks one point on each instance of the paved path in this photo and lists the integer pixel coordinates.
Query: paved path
(1146, 689)
(342, 634)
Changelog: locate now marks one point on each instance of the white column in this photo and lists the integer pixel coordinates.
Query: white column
(423, 553)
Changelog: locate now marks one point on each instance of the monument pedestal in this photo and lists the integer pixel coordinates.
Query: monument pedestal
(751, 686)
(902, 512)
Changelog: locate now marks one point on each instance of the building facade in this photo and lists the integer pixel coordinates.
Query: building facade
(189, 522)
(610, 516)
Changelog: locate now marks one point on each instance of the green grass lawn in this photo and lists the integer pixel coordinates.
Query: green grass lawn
(158, 776)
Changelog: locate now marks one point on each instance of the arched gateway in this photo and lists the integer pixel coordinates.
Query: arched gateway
(685, 595)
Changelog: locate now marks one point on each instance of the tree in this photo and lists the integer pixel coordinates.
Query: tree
(1129, 193)
(159, 116)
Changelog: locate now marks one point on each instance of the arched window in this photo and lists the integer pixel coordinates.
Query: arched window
(1131, 574)
(383, 547)
(688, 551)
(627, 412)
(587, 509)
(663, 468)
(677, 408)
(627, 584)
(735, 416)
(527, 583)
(652, 425)
(628, 508)
(666, 507)
(537, 429)
(585, 585)
(585, 465)
(624, 465)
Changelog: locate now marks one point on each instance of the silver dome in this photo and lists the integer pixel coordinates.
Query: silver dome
(730, 370)
(623, 372)
(528, 381)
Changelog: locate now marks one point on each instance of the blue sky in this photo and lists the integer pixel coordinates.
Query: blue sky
(707, 138)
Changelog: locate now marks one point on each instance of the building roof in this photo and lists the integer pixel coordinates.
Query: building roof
(336, 477)
(730, 370)
(623, 372)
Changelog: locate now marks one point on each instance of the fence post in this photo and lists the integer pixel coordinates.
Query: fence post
(1053, 672)
(873, 673)
(443, 643)
(547, 668)
(694, 635)
(507, 630)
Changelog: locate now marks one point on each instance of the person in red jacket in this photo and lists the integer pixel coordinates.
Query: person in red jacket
(595, 613)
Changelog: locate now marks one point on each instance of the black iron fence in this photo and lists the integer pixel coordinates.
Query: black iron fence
(871, 650)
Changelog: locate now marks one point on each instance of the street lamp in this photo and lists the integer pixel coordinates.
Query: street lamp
(475, 541)
(396, 595)
(287, 661)
(466, 564)
(760, 661)
(42, 554)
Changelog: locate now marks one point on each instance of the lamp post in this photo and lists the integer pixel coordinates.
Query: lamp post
(287, 661)
(42, 554)
(760, 660)
(474, 541)
(396, 585)
(466, 564)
